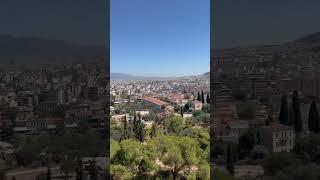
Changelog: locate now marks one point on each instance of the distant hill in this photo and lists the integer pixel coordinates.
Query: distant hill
(206, 74)
(123, 76)
(306, 44)
(313, 38)
(40, 50)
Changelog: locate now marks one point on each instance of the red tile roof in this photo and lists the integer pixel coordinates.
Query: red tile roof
(154, 101)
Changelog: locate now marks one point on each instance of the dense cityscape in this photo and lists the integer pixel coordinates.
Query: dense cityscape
(265, 119)
(52, 120)
(123, 90)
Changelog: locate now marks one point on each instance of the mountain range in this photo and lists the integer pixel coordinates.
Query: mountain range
(123, 76)
(29, 50)
(313, 38)
(40, 50)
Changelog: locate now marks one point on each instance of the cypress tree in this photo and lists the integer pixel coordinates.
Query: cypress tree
(130, 128)
(142, 166)
(153, 132)
(208, 98)
(139, 128)
(141, 132)
(296, 112)
(284, 111)
(199, 97)
(202, 97)
(125, 128)
(181, 111)
(135, 124)
(313, 120)
(186, 107)
(230, 163)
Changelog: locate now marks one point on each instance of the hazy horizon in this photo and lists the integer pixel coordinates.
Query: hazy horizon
(159, 75)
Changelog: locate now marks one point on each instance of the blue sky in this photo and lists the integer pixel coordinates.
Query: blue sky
(160, 37)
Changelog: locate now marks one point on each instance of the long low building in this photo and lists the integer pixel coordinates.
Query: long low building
(156, 103)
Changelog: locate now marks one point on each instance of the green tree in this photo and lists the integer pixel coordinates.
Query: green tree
(208, 98)
(206, 108)
(203, 171)
(179, 153)
(284, 111)
(114, 147)
(186, 107)
(181, 111)
(202, 97)
(135, 125)
(199, 97)
(138, 128)
(173, 124)
(314, 120)
(296, 112)
(202, 118)
(129, 155)
(153, 131)
(119, 172)
(125, 128)
(116, 132)
(146, 165)
(141, 132)
(130, 128)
